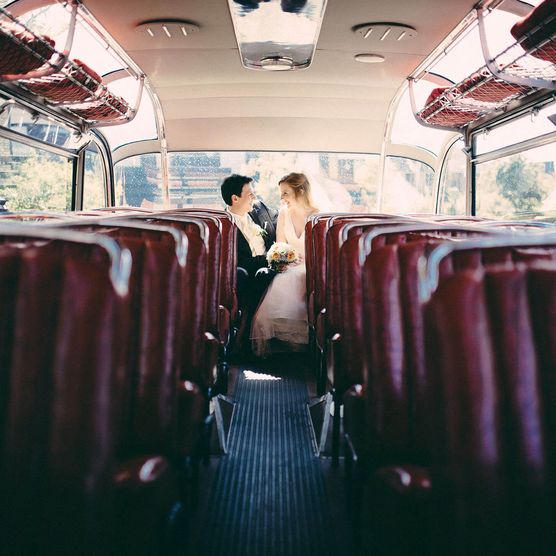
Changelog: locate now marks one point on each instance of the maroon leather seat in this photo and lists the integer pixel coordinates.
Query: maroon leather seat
(227, 296)
(314, 242)
(199, 347)
(318, 250)
(400, 423)
(383, 416)
(341, 299)
(317, 309)
(395, 335)
(492, 359)
(152, 409)
(61, 481)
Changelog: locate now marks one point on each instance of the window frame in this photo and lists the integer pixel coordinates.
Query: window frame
(450, 144)
(508, 150)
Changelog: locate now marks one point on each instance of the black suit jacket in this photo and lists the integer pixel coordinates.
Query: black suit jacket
(266, 218)
(250, 286)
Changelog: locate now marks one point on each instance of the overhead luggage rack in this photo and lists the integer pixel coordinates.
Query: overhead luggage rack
(75, 82)
(527, 65)
(32, 63)
(26, 54)
(477, 95)
(106, 108)
(531, 59)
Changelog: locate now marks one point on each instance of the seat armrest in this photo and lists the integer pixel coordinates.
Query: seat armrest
(212, 346)
(192, 410)
(224, 325)
(333, 362)
(406, 480)
(146, 491)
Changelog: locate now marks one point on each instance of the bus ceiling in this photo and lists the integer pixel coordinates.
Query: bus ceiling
(209, 102)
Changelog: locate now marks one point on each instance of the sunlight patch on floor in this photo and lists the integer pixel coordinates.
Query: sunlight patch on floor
(251, 375)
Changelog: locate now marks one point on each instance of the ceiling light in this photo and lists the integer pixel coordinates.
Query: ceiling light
(369, 58)
(276, 63)
(170, 29)
(277, 34)
(385, 32)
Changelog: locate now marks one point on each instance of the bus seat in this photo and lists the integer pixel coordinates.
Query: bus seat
(199, 347)
(214, 242)
(344, 300)
(426, 412)
(228, 265)
(490, 369)
(65, 380)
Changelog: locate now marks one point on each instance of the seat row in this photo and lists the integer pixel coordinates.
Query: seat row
(113, 337)
(438, 340)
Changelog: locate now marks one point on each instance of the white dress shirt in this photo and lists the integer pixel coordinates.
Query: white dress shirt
(251, 231)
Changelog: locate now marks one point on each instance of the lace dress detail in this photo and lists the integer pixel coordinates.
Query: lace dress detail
(282, 313)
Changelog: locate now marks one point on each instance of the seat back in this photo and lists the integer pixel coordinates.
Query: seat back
(227, 296)
(159, 257)
(66, 363)
(491, 359)
(346, 302)
(191, 336)
(393, 319)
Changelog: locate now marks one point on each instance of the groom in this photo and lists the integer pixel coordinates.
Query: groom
(256, 225)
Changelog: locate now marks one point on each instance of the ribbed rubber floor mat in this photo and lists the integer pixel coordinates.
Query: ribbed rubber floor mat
(268, 496)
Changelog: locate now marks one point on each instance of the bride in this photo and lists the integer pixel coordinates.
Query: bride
(281, 318)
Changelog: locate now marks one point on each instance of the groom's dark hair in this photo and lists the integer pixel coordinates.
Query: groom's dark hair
(233, 185)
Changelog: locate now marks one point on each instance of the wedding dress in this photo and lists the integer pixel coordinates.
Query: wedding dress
(282, 313)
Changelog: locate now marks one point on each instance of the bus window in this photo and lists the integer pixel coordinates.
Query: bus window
(517, 186)
(337, 179)
(39, 128)
(94, 182)
(407, 131)
(452, 181)
(515, 167)
(340, 181)
(142, 127)
(138, 181)
(33, 178)
(408, 186)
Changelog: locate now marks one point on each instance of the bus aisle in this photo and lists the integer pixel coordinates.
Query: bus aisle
(268, 494)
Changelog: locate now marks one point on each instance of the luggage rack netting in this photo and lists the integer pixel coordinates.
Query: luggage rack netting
(26, 54)
(74, 82)
(529, 60)
(69, 84)
(528, 64)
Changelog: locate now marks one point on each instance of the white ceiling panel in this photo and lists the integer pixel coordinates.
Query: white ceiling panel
(205, 91)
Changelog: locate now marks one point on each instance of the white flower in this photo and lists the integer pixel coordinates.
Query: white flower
(259, 231)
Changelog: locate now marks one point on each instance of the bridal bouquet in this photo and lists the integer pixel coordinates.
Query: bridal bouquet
(280, 256)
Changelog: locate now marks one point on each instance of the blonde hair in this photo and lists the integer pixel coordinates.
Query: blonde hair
(301, 188)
